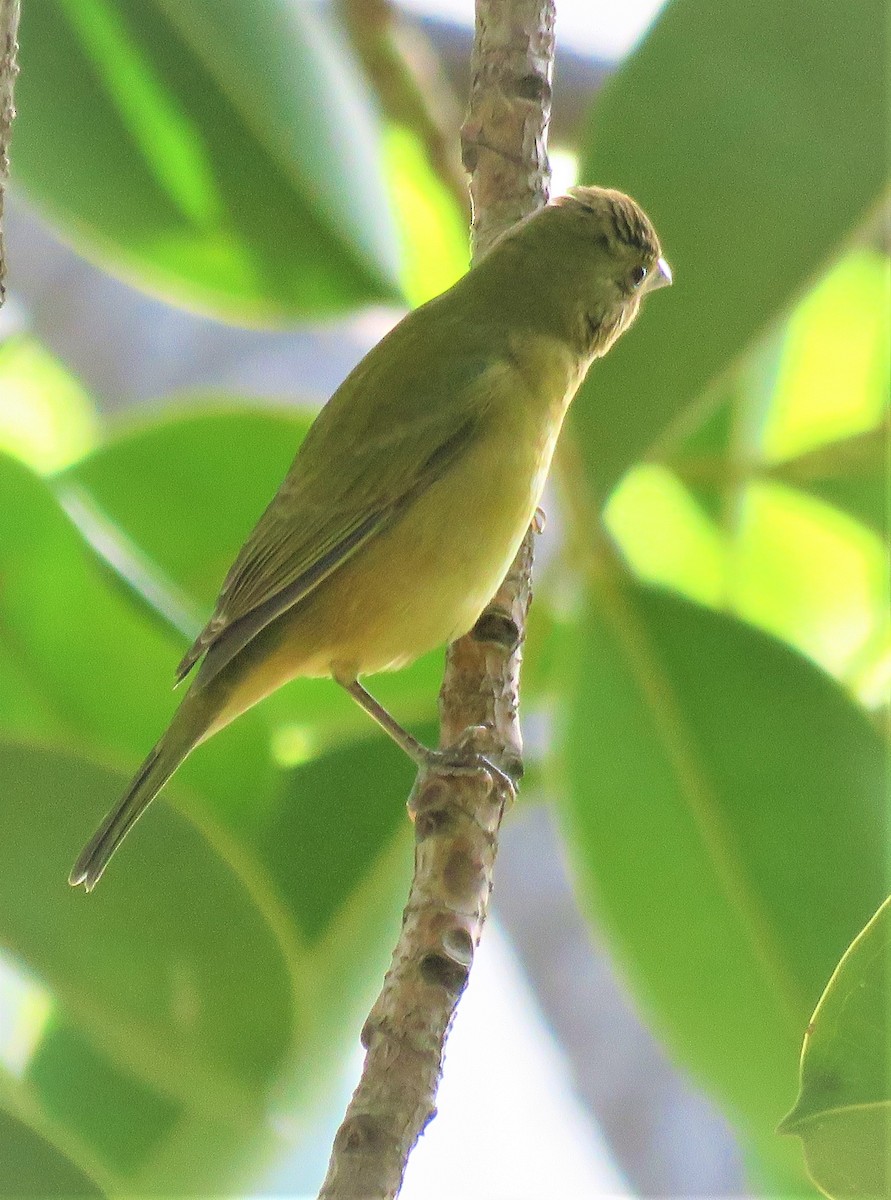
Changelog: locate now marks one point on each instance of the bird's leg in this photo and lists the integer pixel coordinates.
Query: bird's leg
(455, 759)
(415, 750)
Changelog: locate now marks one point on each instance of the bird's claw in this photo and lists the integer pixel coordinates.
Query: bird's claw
(456, 761)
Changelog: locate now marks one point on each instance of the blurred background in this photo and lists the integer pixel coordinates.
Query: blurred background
(215, 211)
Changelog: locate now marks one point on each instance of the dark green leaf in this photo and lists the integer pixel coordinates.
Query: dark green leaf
(219, 154)
(718, 783)
(32, 1167)
(361, 788)
(748, 132)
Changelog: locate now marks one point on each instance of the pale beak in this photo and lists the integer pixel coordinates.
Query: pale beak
(661, 277)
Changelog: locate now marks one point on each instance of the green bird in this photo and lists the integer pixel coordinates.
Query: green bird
(412, 491)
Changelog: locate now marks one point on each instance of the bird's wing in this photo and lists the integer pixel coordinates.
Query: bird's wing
(347, 483)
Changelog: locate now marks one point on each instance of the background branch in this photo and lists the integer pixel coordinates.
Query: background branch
(457, 816)
(9, 27)
(410, 85)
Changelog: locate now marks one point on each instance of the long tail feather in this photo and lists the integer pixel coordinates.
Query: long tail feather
(148, 781)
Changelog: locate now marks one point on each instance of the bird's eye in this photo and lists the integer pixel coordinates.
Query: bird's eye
(637, 276)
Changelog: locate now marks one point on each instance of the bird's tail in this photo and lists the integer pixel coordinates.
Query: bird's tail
(148, 781)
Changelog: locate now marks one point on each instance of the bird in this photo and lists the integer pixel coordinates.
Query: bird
(409, 496)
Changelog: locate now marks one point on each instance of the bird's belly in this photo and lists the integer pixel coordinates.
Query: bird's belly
(427, 579)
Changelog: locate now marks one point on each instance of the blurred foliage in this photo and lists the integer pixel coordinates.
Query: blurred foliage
(714, 671)
(180, 144)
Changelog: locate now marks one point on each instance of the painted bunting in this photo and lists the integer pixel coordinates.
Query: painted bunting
(410, 495)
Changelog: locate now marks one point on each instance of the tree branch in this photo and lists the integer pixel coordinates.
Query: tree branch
(9, 27)
(458, 811)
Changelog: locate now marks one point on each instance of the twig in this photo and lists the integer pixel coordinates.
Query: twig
(9, 28)
(458, 815)
(410, 86)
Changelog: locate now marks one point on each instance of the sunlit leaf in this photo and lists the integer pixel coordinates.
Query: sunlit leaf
(666, 537)
(433, 231)
(46, 418)
(843, 1111)
(811, 575)
(851, 475)
(835, 374)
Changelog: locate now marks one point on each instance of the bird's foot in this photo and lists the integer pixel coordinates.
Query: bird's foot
(464, 758)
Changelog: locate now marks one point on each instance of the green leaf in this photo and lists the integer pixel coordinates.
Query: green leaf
(843, 1110)
(834, 372)
(171, 999)
(432, 229)
(181, 145)
(46, 418)
(184, 486)
(155, 1063)
(748, 132)
(100, 674)
(715, 781)
(98, 671)
(81, 645)
(849, 474)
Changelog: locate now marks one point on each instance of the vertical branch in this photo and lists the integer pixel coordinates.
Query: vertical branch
(9, 27)
(458, 811)
(504, 138)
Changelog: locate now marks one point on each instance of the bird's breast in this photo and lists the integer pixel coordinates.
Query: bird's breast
(426, 580)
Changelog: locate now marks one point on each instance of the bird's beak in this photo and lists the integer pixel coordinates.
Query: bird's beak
(661, 277)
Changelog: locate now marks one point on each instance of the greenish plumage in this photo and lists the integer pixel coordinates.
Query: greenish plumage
(410, 494)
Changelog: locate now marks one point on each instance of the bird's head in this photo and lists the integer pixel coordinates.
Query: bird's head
(607, 257)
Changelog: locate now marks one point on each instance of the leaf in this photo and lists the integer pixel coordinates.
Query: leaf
(748, 133)
(850, 474)
(715, 780)
(361, 787)
(155, 1064)
(834, 376)
(46, 419)
(102, 673)
(172, 1011)
(185, 486)
(432, 229)
(82, 646)
(843, 1110)
(181, 145)
(32, 1167)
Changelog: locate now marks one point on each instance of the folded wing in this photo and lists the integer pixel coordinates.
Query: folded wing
(356, 471)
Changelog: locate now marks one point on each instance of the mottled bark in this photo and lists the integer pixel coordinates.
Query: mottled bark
(9, 27)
